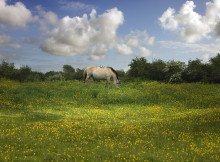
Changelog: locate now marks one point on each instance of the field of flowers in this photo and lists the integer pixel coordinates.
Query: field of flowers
(141, 121)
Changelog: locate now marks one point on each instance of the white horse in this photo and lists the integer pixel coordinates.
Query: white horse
(101, 73)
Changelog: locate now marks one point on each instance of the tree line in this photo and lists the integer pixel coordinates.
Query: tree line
(140, 69)
(176, 71)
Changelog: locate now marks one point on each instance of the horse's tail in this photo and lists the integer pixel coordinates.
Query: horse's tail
(85, 75)
(113, 70)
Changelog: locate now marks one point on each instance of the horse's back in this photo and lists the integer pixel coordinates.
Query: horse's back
(97, 72)
(101, 73)
(90, 68)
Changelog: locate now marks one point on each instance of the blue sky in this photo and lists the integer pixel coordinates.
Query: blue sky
(47, 34)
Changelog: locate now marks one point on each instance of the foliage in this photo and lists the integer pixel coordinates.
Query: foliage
(176, 78)
(156, 70)
(55, 76)
(176, 71)
(24, 74)
(68, 72)
(78, 74)
(215, 69)
(141, 121)
(173, 70)
(196, 71)
(140, 69)
(7, 70)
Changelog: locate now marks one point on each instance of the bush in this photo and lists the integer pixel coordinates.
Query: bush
(176, 78)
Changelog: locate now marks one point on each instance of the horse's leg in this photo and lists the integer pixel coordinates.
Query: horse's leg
(106, 83)
(91, 79)
(87, 77)
(108, 80)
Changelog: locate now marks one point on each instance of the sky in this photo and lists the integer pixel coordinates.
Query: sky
(47, 34)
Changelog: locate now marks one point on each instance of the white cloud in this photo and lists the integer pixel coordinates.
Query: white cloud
(217, 29)
(75, 6)
(150, 41)
(16, 15)
(46, 19)
(144, 52)
(90, 35)
(96, 58)
(168, 20)
(107, 25)
(135, 43)
(212, 48)
(124, 49)
(132, 41)
(140, 38)
(85, 35)
(98, 52)
(205, 57)
(7, 41)
(190, 25)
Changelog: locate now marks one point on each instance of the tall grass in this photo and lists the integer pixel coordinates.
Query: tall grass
(57, 121)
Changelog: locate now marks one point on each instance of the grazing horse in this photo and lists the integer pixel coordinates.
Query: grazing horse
(101, 73)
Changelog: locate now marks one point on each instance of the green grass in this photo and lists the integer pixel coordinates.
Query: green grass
(141, 121)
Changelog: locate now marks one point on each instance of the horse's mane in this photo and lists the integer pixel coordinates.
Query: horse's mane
(114, 72)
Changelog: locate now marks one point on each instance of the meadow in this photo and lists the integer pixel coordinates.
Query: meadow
(140, 121)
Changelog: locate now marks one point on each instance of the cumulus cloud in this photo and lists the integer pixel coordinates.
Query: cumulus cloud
(144, 52)
(168, 20)
(190, 25)
(98, 52)
(87, 35)
(217, 29)
(16, 15)
(132, 41)
(124, 49)
(135, 43)
(46, 19)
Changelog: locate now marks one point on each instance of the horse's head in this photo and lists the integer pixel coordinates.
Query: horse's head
(117, 82)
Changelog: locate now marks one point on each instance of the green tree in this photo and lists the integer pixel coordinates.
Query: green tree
(196, 71)
(138, 68)
(173, 69)
(78, 75)
(24, 74)
(37, 77)
(156, 71)
(215, 69)
(68, 71)
(7, 70)
(176, 78)
(53, 75)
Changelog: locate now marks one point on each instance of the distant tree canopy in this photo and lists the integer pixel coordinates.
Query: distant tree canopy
(139, 68)
(171, 71)
(215, 69)
(24, 74)
(176, 71)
